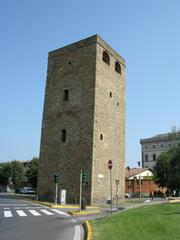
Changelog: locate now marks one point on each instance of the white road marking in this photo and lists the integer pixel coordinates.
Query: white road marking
(74, 220)
(77, 235)
(7, 214)
(36, 207)
(21, 213)
(34, 212)
(12, 204)
(46, 212)
(60, 212)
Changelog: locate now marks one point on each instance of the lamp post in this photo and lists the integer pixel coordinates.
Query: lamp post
(139, 164)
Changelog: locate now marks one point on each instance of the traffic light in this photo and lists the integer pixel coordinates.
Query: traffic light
(56, 178)
(84, 177)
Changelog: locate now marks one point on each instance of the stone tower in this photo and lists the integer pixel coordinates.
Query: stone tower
(83, 121)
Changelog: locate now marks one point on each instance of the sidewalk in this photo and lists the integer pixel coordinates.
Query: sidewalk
(94, 210)
(69, 208)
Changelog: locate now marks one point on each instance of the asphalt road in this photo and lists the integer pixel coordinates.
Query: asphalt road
(20, 220)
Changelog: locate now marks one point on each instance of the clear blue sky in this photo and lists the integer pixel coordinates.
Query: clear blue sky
(144, 32)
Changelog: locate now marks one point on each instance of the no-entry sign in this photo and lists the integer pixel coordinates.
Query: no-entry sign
(110, 164)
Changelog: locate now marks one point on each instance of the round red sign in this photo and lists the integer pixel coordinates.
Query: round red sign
(110, 164)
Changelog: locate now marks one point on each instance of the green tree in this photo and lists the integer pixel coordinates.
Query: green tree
(32, 172)
(167, 169)
(161, 169)
(11, 171)
(4, 174)
(16, 173)
(174, 135)
(174, 170)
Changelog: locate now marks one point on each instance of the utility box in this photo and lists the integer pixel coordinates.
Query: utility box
(63, 196)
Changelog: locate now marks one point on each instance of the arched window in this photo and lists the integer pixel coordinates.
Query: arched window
(117, 67)
(106, 57)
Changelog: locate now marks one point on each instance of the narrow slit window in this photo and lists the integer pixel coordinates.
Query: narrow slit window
(110, 94)
(101, 136)
(66, 95)
(63, 135)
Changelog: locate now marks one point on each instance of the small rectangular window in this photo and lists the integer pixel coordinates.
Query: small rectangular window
(146, 158)
(64, 135)
(66, 95)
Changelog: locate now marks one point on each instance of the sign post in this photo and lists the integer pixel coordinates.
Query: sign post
(117, 183)
(110, 164)
(80, 193)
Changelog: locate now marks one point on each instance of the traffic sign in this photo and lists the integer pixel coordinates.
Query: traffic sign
(110, 164)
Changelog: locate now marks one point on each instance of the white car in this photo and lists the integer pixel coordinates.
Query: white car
(27, 190)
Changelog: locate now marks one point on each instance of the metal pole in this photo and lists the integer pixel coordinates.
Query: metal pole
(129, 183)
(56, 191)
(117, 195)
(139, 164)
(80, 194)
(111, 188)
(140, 182)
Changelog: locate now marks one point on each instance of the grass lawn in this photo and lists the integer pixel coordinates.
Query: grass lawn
(154, 222)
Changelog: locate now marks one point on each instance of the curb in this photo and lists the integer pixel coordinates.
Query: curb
(87, 229)
(78, 213)
(51, 205)
(174, 201)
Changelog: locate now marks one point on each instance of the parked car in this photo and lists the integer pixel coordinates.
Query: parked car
(27, 190)
(126, 195)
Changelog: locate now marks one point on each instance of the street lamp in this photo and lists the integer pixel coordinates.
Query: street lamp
(139, 165)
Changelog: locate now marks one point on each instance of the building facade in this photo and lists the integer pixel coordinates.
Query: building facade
(144, 176)
(83, 121)
(151, 148)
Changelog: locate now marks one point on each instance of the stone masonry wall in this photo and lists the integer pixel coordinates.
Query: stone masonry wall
(110, 122)
(73, 69)
(95, 106)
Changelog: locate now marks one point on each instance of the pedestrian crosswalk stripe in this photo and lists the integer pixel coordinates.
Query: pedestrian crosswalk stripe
(21, 213)
(34, 212)
(60, 212)
(46, 212)
(7, 214)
